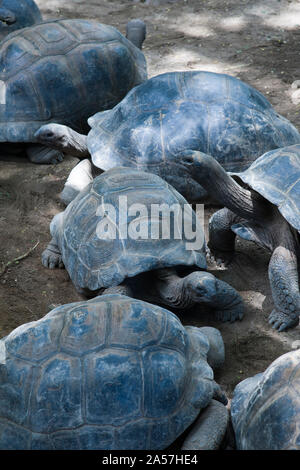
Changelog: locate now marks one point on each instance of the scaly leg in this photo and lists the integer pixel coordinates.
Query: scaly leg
(283, 275)
(40, 154)
(221, 237)
(51, 256)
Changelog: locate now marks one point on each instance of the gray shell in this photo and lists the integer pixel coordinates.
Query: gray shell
(109, 373)
(94, 262)
(276, 176)
(213, 113)
(265, 409)
(63, 71)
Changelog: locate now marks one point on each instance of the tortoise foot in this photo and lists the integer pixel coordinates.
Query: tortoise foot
(282, 321)
(52, 259)
(231, 315)
(44, 155)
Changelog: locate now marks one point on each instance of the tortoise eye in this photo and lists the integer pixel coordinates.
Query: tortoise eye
(49, 134)
(189, 159)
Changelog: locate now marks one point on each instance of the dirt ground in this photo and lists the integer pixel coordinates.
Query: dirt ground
(256, 41)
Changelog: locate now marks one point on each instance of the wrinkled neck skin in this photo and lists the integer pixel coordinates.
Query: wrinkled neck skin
(269, 227)
(76, 144)
(222, 187)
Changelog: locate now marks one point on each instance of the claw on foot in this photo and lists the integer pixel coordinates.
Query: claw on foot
(44, 155)
(230, 315)
(282, 321)
(52, 259)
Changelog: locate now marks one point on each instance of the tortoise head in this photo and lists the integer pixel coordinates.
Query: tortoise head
(62, 138)
(201, 286)
(7, 16)
(17, 14)
(55, 136)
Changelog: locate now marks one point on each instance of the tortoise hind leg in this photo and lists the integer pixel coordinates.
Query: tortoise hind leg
(40, 154)
(209, 429)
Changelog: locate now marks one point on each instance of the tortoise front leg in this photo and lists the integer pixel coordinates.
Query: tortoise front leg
(221, 237)
(51, 256)
(40, 154)
(283, 275)
(81, 175)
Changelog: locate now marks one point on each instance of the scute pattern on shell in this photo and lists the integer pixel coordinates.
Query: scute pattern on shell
(93, 262)
(266, 408)
(213, 113)
(63, 63)
(108, 373)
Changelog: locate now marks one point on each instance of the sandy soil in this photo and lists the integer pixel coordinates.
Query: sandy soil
(257, 41)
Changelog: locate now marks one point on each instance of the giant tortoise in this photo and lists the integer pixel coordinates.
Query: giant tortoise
(109, 373)
(213, 113)
(63, 71)
(262, 204)
(130, 232)
(265, 409)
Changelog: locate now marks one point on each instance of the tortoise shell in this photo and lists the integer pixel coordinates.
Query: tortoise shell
(109, 373)
(265, 408)
(94, 261)
(214, 113)
(26, 13)
(63, 71)
(276, 176)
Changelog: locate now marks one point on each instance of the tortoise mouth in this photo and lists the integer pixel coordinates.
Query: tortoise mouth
(7, 18)
(7, 22)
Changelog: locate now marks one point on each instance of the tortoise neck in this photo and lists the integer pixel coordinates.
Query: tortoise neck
(77, 144)
(212, 176)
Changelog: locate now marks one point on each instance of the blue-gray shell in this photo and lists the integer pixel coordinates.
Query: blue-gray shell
(265, 409)
(63, 71)
(108, 373)
(94, 260)
(276, 176)
(214, 113)
(26, 14)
